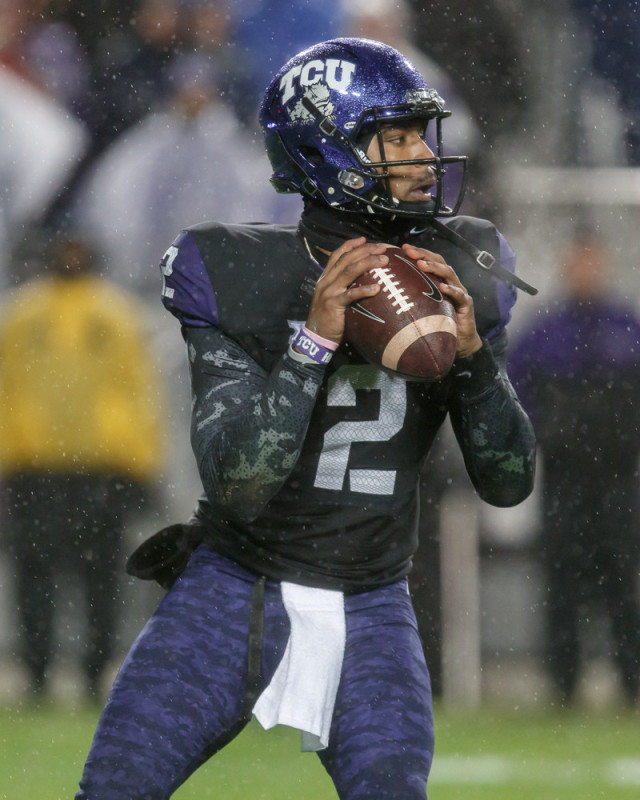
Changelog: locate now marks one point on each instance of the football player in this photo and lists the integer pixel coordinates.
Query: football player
(288, 591)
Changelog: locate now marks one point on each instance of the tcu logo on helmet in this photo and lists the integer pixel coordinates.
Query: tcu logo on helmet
(332, 73)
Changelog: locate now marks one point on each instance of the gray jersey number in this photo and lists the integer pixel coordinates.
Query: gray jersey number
(166, 268)
(334, 459)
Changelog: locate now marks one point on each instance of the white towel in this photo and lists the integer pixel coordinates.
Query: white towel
(303, 689)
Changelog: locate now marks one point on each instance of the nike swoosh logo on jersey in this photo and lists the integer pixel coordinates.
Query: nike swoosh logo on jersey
(416, 231)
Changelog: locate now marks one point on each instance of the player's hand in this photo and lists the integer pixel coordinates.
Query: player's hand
(332, 294)
(469, 340)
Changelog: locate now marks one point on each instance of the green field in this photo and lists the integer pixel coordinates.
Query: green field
(487, 755)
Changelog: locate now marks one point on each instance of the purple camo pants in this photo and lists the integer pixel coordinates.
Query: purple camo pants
(180, 691)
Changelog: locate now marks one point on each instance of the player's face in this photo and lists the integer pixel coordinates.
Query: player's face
(410, 183)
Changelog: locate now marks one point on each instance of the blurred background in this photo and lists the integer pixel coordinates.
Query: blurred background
(123, 121)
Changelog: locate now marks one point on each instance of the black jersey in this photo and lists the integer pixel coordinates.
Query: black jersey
(310, 472)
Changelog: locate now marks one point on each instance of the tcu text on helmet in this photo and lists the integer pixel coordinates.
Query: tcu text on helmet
(335, 72)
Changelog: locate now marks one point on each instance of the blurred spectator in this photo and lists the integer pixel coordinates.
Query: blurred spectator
(79, 447)
(95, 21)
(130, 66)
(187, 160)
(41, 47)
(578, 374)
(614, 32)
(207, 27)
(40, 144)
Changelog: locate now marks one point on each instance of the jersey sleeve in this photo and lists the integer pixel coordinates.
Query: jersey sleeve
(248, 426)
(186, 287)
(495, 434)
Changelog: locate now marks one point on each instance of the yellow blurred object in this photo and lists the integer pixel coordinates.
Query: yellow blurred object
(78, 389)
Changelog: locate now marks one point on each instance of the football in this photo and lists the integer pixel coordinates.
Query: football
(408, 327)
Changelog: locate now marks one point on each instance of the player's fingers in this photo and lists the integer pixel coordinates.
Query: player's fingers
(457, 294)
(422, 253)
(441, 270)
(341, 291)
(432, 262)
(354, 269)
(339, 252)
(353, 258)
(354, 293)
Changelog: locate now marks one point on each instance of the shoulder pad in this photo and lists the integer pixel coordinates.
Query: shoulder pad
(493, 299)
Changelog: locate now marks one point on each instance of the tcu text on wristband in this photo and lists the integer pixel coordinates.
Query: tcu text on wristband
(308, 346)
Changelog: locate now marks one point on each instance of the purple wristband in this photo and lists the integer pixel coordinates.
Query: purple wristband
(314, 350)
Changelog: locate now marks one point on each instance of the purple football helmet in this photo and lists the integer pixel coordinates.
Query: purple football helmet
(326, 103)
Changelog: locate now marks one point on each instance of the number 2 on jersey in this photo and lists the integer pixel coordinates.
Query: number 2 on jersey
(334, 459)
(166, 268)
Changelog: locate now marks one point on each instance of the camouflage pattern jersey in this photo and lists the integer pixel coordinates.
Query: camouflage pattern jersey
(310, 472)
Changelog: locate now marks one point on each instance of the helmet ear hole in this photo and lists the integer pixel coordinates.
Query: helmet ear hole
(312, 155)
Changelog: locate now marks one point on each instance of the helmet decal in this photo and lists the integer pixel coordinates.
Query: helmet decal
(320, 95)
